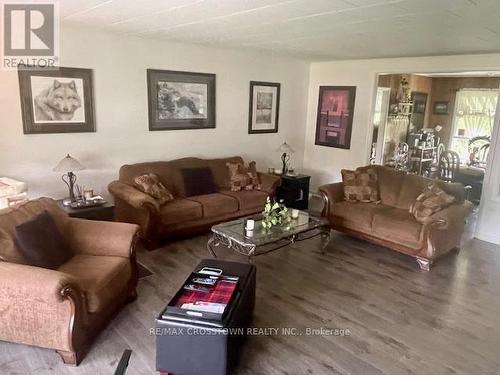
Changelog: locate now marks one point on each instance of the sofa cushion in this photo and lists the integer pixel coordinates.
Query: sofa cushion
(169, 172)
(248, 199)
(179, 211)
(13, 216)
(151, 185)
(360, 185)
(162, 169)
(101, 278)
(355, 215)
(432, 200)
(220, 171)
(41, 242)
(411, 187)
(198, 181)
(216, 204)
(390, 182)
(242, 177)
(399, 226)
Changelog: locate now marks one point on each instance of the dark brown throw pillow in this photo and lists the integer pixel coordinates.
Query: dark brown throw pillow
(198, 181)
(41, 242)
(432, 200)
(151, 185)
(360, 185)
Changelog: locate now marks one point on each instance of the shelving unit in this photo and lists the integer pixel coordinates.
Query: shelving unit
(425, 154)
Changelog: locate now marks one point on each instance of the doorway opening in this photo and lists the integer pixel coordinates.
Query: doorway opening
(437, 125)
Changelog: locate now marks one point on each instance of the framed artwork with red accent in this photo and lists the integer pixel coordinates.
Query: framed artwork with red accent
(335, 115)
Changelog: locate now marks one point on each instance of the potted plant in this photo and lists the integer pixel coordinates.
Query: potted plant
(274, 214)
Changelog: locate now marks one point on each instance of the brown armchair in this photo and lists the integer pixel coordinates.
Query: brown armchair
(64, 309)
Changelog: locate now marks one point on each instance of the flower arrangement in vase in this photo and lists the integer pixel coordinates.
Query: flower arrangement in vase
(274, 214)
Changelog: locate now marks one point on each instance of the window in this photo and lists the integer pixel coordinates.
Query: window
(473, 116)
(377, 115)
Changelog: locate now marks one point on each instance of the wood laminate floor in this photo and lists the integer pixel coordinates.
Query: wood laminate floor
(401, 320)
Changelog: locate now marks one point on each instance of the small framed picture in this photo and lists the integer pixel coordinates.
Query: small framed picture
(441, 108)
(180, 100)
(335, 115)
(57, 101)
(264, 107)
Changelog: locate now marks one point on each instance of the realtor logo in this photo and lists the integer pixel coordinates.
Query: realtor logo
(30, 35)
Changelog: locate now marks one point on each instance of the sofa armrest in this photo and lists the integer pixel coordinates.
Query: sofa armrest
(331, 193)
(102, 237)
(28, 281)
(454, 213)
(132, 196)
(457, 189)
(269, 182)
(39, 306)
(443, 231)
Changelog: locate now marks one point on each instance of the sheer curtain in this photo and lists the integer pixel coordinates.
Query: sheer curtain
(474, 116)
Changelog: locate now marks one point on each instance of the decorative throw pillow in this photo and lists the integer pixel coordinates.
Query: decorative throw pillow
(243, 178)
(198, 181)
(432, 200)
(41, 242)
(151, 185)
(360, 185)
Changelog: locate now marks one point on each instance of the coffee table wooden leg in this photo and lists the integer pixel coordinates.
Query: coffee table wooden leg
(210, 246)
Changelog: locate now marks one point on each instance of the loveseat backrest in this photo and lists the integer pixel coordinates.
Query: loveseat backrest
(14, 216)
(170, 172)
(399, 189)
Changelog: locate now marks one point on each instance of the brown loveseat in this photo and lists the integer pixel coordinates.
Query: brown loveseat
(389, 222)
(184, 215)
(64, 309)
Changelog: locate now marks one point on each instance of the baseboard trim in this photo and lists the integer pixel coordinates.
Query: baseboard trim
(488, 237)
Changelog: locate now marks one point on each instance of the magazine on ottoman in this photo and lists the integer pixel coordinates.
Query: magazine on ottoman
(204, 296)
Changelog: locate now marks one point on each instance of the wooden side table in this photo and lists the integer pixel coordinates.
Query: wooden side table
(104, 212)
(294, 191)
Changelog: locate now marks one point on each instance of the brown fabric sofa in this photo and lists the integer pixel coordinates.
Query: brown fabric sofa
(389, 222)
(184, 215)
(64, 309)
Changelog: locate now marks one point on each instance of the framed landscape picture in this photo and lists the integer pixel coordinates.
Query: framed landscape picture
(334, 117)
(180, 100)
(57, 101)
(264, 107)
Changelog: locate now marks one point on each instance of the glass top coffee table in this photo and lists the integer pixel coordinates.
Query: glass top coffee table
(259, 241)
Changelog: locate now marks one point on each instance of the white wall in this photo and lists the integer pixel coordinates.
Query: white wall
(325, 163)
(488, 227)
(122, 136)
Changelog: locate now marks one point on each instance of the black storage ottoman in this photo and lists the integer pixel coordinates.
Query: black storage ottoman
(193, 345)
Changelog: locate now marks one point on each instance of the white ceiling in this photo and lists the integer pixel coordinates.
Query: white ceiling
(313, 29)
(481, 73)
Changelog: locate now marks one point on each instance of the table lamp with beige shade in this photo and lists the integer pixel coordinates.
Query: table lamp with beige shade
(69, 165)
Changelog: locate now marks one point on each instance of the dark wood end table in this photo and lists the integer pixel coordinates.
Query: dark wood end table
(104, 212)
(294, 191)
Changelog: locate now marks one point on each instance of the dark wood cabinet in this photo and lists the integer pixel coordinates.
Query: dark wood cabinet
(294, 191)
